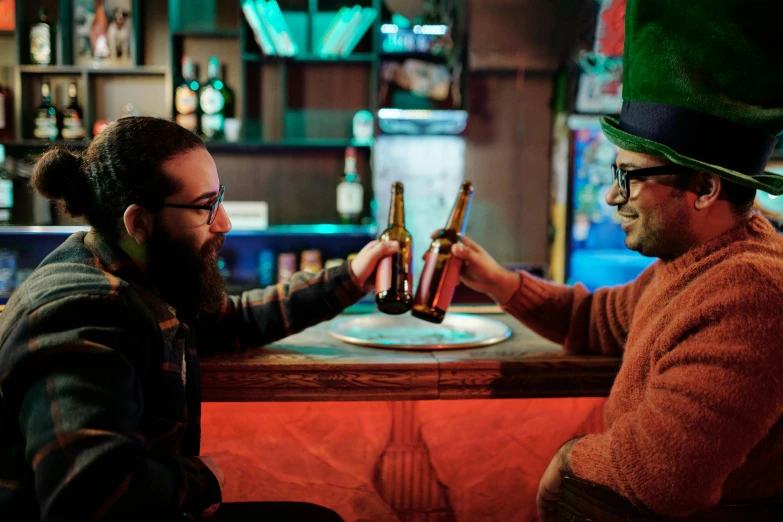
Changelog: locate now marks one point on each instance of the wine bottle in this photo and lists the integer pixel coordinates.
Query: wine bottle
(440, 275)
(41, 40)
(73, 116)
(6, 107)
(186, 97)
(45, 122)
(217, 102)
(6, 191)
(350, 191)
(394, 275)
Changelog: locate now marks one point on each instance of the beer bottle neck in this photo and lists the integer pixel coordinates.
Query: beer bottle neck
(459, 214)
(397, 210)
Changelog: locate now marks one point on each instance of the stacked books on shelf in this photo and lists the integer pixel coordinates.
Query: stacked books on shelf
(269, 27)
(346, 30)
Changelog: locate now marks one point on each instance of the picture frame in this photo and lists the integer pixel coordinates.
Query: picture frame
(103, 33)
(7, 15)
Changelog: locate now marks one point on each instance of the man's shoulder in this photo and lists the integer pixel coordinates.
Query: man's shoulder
(70, 271)
(61, 280)
(752, 270)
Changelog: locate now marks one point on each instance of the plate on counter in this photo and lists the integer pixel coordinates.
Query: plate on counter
(405, 332)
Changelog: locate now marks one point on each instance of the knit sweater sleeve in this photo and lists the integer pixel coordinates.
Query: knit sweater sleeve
(582, 321)
(701, 413)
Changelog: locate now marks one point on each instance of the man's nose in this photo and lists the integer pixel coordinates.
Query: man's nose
(222, 223)
(613, 197)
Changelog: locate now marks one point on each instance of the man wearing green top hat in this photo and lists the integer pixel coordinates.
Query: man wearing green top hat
(694, 420)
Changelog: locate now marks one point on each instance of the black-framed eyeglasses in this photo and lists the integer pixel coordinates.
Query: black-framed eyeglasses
(623, 177)
(213, 208)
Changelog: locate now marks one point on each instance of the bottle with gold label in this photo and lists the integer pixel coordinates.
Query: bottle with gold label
(394, 275)
(45, 121)
(311, 261)
(73, 116)
(440, 275)
(186, 97)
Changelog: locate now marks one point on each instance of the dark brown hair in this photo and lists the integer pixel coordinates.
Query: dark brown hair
(122, 166)
(739, 196)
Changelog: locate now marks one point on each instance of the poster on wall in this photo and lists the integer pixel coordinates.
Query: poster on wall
(610, 31)
(7, 15)
(103, 32)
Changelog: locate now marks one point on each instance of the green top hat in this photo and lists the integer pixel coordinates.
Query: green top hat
(703, 86)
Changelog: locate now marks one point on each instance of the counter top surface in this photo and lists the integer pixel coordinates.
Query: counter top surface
(313, 366)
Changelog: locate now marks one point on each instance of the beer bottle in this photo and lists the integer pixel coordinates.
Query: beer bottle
(440, 275)
(394, 275)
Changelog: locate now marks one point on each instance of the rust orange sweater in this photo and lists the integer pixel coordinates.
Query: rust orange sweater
(694, 415)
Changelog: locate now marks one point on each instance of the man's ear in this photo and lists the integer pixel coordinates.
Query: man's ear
(707, 190)
(138, 223)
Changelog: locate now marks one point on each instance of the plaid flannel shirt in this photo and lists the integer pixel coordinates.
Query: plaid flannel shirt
(99, 383)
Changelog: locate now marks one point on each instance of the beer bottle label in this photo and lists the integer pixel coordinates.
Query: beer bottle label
(450, 282)
(383, 275)
(423, 292)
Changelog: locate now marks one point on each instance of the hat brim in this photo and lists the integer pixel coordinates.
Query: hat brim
(769, 182)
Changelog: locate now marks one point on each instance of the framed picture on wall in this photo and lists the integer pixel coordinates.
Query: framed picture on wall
(7, 15)
(103, 32)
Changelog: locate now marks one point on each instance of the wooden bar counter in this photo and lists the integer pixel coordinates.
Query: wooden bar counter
(313, 366)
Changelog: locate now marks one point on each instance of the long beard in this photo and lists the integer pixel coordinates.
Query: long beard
(187, 276)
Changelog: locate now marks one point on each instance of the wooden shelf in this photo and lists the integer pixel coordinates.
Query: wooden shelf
(429, 57)
(284, 145)
(34, 145)
(321, 229)
(51, 69)
(311, 58)
(247, 147)
(141, 70)
(218, 33)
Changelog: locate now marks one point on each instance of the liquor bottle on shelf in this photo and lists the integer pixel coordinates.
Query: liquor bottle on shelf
(217, 102)
(45, 121)
(6, 107)
(394, 276)
(286, 266)
(350, 192)
(73, 116)
(99, 34)
(266, 267)
(186, 97)
(6, 191)
(41, 40)
(311, 261)
(440, 275)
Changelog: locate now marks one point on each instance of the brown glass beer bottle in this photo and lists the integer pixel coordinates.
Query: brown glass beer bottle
(440, 275)
(394, 275)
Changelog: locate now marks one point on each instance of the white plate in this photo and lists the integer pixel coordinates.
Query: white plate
(405, 332)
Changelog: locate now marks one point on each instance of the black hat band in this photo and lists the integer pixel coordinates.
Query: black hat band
(699, 136)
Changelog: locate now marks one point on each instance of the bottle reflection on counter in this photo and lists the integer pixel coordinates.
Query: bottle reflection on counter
(440, 275)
